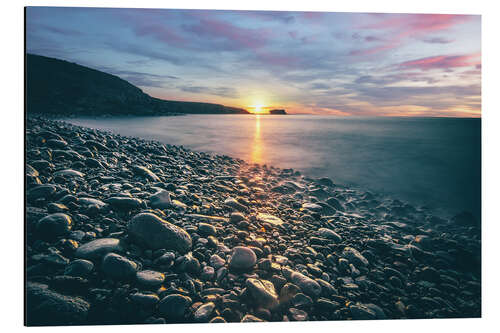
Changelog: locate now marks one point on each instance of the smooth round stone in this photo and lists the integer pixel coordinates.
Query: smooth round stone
(312, 206)
(204, 312)
(98, 248)
(216, 261)
(263, 292)
(79, 267)
(118, 267)
(306, 284)
(93, 163)
(174, 306)
(91, 202)
(236, 217)
(41, 191)
(145, 172)
(143, 299)
(268, 218)
(206, 229)
(69, 173)
(160, 200)
(208, 273)
(234, 204)
(156, 233)
(54, 225)
(124, 203)
(354, 257)
(150, 278)
(330, 234)
(242, 258)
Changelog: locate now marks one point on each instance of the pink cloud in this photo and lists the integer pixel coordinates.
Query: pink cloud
(277, 59)
(444, 62)
(237, 36)
(409, 25)
(161, 33)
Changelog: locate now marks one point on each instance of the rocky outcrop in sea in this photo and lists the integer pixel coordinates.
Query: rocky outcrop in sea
(122, 230)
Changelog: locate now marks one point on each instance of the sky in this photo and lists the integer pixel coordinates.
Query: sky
(343, 64)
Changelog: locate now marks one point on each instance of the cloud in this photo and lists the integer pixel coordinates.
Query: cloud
(319, 86)
(438, 40)
(217, 91)
(443, 62)
(230, 36)
(400, 27)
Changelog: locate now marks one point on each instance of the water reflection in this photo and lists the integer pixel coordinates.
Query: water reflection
(256, 156)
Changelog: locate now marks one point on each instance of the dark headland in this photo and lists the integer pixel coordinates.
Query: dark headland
(60, 88)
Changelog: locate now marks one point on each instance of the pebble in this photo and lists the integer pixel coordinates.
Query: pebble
(160, 200)
(354, 257)
(173, 306)
(98, 248)
(149, 278)
(242, 258)
(156, 233)
(79, 267)
(206, 229)
(263, 292)
(306, 284)
(118, 267)
(268, 218)
(204, 312)
(54, 225)
(330, 234)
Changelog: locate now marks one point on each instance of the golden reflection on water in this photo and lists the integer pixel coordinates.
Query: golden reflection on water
(256, 156)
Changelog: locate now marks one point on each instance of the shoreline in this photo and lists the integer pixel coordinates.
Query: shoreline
(247, 242)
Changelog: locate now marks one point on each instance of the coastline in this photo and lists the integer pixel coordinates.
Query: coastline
(264, 243)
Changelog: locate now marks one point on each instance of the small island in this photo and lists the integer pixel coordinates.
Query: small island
(277, 111)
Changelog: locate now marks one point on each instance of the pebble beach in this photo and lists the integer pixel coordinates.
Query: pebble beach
(121, 230)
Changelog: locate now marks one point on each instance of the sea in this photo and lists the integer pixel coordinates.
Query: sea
(431, 162)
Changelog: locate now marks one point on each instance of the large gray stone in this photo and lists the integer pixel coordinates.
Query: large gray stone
(118, 267)
(263, 292)
(242, 258)
(54, 225)
(156, 233)
(98, 248)
(306, 284)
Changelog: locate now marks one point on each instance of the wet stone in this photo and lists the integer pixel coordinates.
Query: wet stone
(54, 225)
(306, 284)
(156, 233)
(79, 267)
(98, 248)
(204, 312)
(263, 292)
(149, 278)
(329, 234)
(354, 257)
(118, 267)
(242, 258)
(174, 306)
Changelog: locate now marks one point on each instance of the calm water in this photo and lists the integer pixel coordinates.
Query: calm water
(431, 161)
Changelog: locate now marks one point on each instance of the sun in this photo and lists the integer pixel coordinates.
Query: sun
(258, 108)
